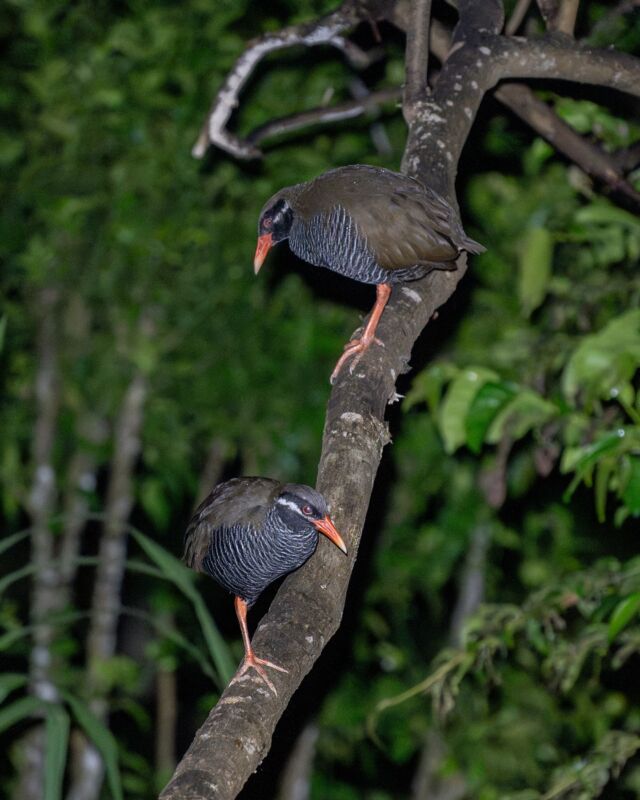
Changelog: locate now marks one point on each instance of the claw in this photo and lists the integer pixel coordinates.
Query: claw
(356, 347)
(251, 661)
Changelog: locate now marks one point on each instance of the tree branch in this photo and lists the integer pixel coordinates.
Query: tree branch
(323, 116)
(417, 55)
(40, 506)
(588, 156)
(105, 608)
(519, 98)
(517, 16)
(325, 30)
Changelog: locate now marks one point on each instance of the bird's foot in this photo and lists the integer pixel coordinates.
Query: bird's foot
(354, 349)
(251, 661)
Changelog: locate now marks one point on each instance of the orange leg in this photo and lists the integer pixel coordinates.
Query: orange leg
(356, 347)
(251, 660)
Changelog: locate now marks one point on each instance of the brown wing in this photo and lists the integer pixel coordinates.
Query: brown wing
(404, 222)
(239, 501)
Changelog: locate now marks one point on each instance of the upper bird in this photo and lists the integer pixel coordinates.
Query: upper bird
(370, 224)
(250, 531)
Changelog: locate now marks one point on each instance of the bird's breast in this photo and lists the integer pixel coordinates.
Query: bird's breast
(332, 240)
(245, 561)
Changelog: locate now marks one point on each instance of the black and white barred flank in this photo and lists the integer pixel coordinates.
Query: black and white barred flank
(333, 241)
(245, 561)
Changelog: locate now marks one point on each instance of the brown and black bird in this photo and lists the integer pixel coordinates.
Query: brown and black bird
(250, 531)
(367, 223)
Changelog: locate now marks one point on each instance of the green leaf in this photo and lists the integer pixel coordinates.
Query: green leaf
(427, 386)
(175, 571)
(7, 543)
(457, 402)
(600, 214)
(55, 758)
(10, 681)
(15, 576)
(19, 710)
(3, 331)
(534, 268)
(102, 738)
(604, 361)
(623, 614)
(527, 410)
(631, 492)
(579, 458)
(484, 408)
(604, 470)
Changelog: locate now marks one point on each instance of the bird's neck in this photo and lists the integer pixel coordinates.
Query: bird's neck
(286, 525)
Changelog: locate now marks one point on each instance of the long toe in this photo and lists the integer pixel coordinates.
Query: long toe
(253, 662)
(354, 349)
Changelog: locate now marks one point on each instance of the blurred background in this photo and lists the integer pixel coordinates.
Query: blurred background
(490, 643)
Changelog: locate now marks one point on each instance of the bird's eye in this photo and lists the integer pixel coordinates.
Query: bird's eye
(267, 223)
(307, 511)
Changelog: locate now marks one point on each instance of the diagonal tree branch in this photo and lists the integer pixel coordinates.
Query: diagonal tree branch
(323, 116)
(588, 156)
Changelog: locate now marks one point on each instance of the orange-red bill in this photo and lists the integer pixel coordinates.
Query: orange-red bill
(264, 245)
(327, 527)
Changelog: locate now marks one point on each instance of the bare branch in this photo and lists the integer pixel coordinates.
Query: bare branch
(325, 31)
(417, 55)
(565, 20)
(517, 15)
(588, 156)
(323, 116)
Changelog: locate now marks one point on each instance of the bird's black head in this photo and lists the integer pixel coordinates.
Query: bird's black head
(301, 507)
(274, 225)
(276, 220)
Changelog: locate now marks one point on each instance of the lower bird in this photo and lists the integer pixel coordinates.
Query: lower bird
(250, 531)
(367, 223)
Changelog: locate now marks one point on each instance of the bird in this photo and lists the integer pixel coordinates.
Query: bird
(367, 223)
(248, 532)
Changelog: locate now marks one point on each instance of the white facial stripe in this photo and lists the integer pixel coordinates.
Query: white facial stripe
(282, 501)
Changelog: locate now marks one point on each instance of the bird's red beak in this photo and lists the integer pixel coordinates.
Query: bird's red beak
(264, 245)
(327, 527)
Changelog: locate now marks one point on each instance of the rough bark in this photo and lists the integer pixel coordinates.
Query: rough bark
(307, 610)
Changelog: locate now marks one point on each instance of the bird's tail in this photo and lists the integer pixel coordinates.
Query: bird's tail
(471, 246)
